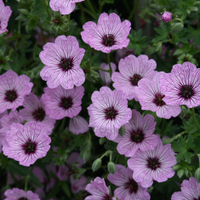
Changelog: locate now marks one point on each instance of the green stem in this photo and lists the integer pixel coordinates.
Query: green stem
(110, 69)
(133, 11)
(199, 158)
(106, 153)
(91, 8)
(46, 8)
(127, 6)
(19, 27)
(26, 184)
(174, 138)
(195, 119)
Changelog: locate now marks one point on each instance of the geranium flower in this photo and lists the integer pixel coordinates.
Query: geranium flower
(128, 188)
(13, 89)
(153, 164)
(27, 143)
(62, 63)
(108, 112)
(131, 70)
(98, 190)
(182, 85)
(152, 98)
(5, 13)
(34, 110)
(108, 34)
(60, 103)
(190, 190)
(17, 194)
(65, 7)
(138, 135)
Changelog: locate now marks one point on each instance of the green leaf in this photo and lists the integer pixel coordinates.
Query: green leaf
(40, 9)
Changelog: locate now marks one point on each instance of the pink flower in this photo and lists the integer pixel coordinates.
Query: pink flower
(78, 125)
(108, 34)
(131, 70)
(34, 110)
(98, 190)
(153, 164)
(5, 13)
(105, 76)
(182, 85)
(62, 63)
(138, 135)
(27, 143)
(128, 188)
(60, 103)
(65, 7)
(13, 89)
(166, 16)
(78, 185)
(190, 190)
(152, 98)
(108, 112)
(16, 194)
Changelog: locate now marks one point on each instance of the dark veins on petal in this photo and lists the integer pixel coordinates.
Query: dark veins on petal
(132, 186)
(11, 95)
(137, 136)
(22, 198)
(134, 79)
(186, 91)
(29, 147)
(107, 197)
(153, 163)
(158, 99)
(66, 102)
(66, 64)
(39, 114)
(108, 40)
(110, 113)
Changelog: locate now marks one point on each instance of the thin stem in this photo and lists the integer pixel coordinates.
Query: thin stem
(110, 69)
(127, 6)
(195, 119)
(133, 11)
(19, 27)
(174, 138)
(26, 184)
(91, 7)
(46, 8)
(106, 153)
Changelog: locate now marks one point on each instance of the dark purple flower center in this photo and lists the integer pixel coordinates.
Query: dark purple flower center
(153, 163)
(39, 114)
(186, 91)
(197, 199)
(29, 147)
(108, 40)
(137, 136)
(66, 102)
(107, 197)
(22, 198)
(132, 186)
(158, 99)
(66, 64)
(134, 80)
(110, 112)
(11, 95)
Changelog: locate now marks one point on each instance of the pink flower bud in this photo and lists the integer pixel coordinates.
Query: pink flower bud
(166, 16)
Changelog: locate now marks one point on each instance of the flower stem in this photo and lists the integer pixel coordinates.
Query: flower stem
(106, 153)
(46, 8)
(133, 11)
(110, 69)
(91, 8)
(26, 184)
(195, 119)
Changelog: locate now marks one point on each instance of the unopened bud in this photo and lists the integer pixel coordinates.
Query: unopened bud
(122, 130)
(96, 164)
(177, 27)
(111, 167)
(166, 16)
(86, 155)
(197, 175)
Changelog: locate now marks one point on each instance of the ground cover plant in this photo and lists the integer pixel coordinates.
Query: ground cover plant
(99, 100)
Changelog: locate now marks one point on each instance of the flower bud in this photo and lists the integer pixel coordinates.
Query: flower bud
(122, 130)
(166, 16)
(177, 27)
(86, 155)
(96, 164)
(111, 167)
(197, 175)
